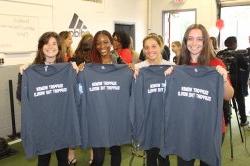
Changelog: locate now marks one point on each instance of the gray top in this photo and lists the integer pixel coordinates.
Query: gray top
(193, 114)
(147, 106)
(105, 109)
(49, 119)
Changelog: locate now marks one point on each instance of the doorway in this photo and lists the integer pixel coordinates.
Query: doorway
(175, 24)
(236, 23)
(129, 28)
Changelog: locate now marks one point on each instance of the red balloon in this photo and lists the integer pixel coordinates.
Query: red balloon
(219, 24)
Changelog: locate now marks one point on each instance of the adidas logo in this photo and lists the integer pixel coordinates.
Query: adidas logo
(77, 25)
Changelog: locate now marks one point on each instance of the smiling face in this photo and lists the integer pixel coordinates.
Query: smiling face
(50, 49)
(116, 43)
(195, 43)
(103, 45)
(152, 49)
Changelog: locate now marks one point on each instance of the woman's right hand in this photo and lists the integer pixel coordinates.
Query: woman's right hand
(136, 72)
(169, 70)
(22, 68)
(81, 66)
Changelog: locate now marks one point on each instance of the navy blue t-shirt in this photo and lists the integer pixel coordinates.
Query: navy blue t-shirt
(49, 119)
(147, 106)
(106, 90)
(193, 114)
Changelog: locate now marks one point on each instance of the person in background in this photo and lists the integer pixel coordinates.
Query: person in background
(196, 50)
(67, 53)
(214, 44)
(176, 48)
(49, 52)
(121, 45)
(165, 51)
(239, 75)
(82, 56)
(66, 42)
(83, 50)
(152, 48)
(101, 54)
(135, 55)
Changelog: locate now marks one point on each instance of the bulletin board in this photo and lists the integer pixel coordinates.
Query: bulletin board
(22, 23)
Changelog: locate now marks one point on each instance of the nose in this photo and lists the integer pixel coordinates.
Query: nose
(50, 45)
(102, 45)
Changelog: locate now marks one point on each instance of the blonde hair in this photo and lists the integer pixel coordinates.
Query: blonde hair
(154, 37)
(177, 43)
(68, 51)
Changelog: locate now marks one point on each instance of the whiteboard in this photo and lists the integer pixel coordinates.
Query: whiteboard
(22, 24)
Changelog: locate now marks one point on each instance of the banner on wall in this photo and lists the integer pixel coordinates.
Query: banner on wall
(77, 26)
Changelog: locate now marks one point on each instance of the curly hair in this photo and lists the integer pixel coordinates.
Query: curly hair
(123, 38)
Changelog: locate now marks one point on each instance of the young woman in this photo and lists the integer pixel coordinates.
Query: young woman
(67, 53)
(152, 48)
(176, 48)
(121, 45)
(196, 50)
(101, 54)
(49, 52)
(66, 42)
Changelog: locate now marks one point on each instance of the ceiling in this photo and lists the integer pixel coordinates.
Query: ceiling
(234, 2)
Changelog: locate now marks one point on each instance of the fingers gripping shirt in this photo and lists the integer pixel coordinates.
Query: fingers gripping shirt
(105, 100)
(49, 119)
(147, 105)
(193, 114)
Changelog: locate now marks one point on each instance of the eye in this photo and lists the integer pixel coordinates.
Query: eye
(199, 39)
(106, 42)
(154, 46)
(190, 39)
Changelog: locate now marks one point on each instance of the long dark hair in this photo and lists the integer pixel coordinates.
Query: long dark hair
(207, 53)
(95, 55)
(44, 39)
(84, 47)
(123, 38)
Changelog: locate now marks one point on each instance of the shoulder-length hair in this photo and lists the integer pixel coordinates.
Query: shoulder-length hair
(44, 39)
(84, 47)
(68, 51)
(207, 53)
(95, 55)
(123, 38)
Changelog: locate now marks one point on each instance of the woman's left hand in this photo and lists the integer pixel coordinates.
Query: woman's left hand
(75, 66)
(131, 66)
(222, 71)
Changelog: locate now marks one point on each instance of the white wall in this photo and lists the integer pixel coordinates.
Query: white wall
(95, 16)
(102, 16)
(206, 12)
